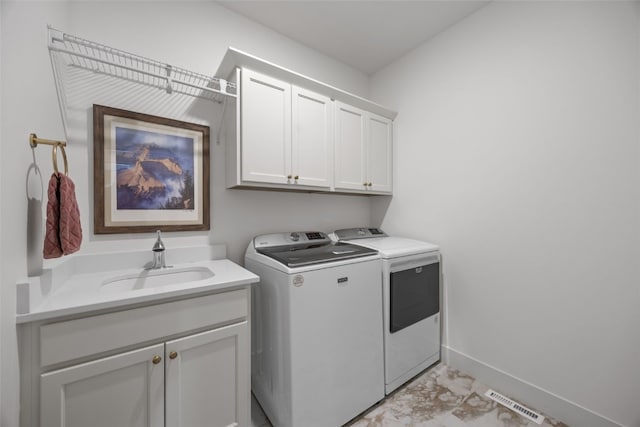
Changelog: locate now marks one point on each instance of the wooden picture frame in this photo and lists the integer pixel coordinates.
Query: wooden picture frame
(149, 173)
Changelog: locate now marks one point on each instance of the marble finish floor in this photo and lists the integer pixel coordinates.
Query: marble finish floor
(439, 397)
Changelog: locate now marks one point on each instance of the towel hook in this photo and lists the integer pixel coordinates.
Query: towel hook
(34, 141)
(54, 156)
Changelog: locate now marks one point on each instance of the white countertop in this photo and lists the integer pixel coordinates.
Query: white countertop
(83, 292)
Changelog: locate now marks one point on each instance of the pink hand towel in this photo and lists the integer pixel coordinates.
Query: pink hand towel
(63, 234)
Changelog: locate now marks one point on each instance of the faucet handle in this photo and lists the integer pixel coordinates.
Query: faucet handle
(158, 246)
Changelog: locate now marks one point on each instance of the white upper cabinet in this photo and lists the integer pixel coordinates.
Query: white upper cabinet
(266, 128)
(292, 132)
(363, 151)
(286, 133)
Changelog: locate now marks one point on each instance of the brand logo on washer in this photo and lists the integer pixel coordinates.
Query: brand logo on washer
(298, 280)
(418, 270)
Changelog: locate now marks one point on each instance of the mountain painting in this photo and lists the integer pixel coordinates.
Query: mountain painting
(154, 170)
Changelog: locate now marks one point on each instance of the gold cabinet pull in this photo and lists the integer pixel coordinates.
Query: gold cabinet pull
(156, 360)
(173, 355)
(288, 176)
(296, 177)
(370, 184)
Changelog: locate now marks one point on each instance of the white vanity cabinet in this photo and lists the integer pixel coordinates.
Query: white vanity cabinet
(179, 363)
(363, 150)
(286, 135)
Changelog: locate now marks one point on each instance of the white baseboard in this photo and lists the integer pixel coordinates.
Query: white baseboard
(528, 394)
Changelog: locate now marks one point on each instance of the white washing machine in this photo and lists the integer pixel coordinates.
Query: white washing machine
(411, 301)
(317, 350)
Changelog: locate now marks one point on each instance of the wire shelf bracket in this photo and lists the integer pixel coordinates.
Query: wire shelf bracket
(78, 52)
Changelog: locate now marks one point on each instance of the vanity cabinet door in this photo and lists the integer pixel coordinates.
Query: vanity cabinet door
(122, 390)
(208, 378)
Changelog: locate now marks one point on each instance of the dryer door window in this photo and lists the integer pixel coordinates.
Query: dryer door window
(414, 295)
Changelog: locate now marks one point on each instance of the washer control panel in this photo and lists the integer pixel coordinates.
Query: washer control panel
(291, 238)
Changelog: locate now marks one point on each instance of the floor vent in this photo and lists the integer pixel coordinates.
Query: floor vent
(515, 406)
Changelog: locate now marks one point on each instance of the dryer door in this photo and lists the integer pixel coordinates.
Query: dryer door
(414, 295)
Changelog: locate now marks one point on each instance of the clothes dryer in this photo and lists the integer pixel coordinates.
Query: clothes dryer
(411, 301)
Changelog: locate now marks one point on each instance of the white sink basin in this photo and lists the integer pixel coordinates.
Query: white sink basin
(155, 278)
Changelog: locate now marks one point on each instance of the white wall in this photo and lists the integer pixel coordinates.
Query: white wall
(28, 105)
(193, 35)
(1, 206)
(518, 151)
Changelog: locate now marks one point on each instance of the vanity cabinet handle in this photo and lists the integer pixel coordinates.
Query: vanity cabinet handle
(288, 176)
(296, 177)
(173, 355)
(156, 360)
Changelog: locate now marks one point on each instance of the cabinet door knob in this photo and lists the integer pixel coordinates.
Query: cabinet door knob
(365, 184)
(370, 184)
(156, 360)
(296, 177)
(288, 176)
(173, 355)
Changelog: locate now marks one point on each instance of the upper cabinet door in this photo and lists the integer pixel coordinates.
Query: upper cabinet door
(312, 138)
(122, 390)
(380, 153)
(350, 148)
(266, 128)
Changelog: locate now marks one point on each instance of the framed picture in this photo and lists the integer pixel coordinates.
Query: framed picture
(150, 173)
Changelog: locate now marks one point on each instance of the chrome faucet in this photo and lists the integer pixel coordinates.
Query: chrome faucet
(158, 253)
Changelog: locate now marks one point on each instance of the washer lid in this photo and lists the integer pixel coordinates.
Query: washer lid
(299, 256)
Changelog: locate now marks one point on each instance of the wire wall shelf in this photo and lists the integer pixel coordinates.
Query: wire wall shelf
(76, 52)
